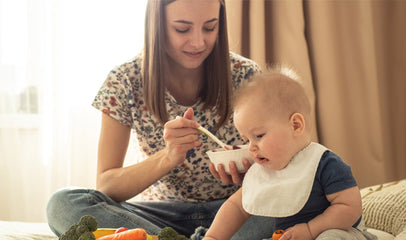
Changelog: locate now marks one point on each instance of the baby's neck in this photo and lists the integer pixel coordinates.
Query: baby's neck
(303, 143)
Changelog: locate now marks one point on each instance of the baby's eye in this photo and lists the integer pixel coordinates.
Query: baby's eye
(260, 135)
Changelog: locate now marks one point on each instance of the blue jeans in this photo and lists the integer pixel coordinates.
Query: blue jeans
(67, 205)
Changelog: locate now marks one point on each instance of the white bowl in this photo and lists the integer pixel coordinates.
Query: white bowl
(220, 155)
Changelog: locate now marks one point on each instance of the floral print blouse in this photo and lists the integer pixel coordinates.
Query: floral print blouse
(121, 97)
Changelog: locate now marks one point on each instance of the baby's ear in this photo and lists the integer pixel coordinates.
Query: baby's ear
(297, 122)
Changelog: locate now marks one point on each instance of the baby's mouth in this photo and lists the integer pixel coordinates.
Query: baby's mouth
(261, 160)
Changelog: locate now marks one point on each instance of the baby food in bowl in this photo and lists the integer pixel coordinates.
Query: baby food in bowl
(220, 155)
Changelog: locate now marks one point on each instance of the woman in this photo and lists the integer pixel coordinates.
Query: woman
(185, 70)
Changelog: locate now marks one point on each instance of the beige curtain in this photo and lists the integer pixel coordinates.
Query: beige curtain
(352, 58)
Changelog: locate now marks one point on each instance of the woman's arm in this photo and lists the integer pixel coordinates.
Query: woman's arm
(122, 183)
(230, 217)
(112, 179)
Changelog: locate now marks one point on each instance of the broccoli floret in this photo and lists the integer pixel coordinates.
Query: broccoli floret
(70, 234)
(89, 221)
(82, 230)
(182, 237)
(87, 236)
(168, 233)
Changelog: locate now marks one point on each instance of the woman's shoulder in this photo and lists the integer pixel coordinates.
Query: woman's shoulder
(120, 96)
(242, 68)
(133, 64)
(127, 73)
(241, 61)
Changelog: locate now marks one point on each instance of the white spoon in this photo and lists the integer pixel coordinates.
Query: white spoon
(210, 135)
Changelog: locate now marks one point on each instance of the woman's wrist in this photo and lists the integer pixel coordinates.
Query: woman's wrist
(163, 161)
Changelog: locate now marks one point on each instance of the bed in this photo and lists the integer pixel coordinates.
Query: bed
(384, 212)
(25, 231)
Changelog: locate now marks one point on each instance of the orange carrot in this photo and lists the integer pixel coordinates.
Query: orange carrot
(277, 234)
(122, 229)
(132, 234)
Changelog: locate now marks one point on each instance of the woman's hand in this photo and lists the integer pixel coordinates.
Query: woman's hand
(181, 135)
(297, 232)
(234, 176)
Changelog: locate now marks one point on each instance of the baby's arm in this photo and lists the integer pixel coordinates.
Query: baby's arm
(344, 211)
(230, 217)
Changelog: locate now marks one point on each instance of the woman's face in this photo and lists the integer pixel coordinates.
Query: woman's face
(192, 29)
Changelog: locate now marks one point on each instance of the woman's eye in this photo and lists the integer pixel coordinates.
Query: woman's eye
(181, 30)
(210, 29)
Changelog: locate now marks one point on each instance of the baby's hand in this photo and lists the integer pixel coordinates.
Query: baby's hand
(297, 232)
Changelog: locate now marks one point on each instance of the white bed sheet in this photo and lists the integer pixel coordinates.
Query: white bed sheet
(40, 231)
(10, 230)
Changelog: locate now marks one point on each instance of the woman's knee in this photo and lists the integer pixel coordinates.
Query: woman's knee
(58, 198)
(60, 209)
(62, 199)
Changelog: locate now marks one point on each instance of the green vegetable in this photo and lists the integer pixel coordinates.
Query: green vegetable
(89, 221)
(87, 236)
(83, 230)
(168, 233)
(181, 237)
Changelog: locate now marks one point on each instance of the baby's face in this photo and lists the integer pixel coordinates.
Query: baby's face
(270, 138)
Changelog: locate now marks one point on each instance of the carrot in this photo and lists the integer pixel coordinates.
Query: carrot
(132, 234)
(122, 229)
(277, 234)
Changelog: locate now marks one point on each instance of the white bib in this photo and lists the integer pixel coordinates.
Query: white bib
(281, 193)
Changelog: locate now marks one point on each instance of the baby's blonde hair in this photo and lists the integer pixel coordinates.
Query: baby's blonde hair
(280, 89)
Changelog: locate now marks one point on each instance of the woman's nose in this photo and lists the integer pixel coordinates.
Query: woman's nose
(197, 39)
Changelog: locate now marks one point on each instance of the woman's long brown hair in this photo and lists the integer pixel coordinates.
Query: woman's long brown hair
(217, 88)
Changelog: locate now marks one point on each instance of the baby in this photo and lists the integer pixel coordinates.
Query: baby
(308, 189)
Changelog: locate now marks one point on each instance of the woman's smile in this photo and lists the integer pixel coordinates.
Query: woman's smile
(194, 54)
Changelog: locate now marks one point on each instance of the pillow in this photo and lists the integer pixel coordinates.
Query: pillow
(384, 207)
(402, 235)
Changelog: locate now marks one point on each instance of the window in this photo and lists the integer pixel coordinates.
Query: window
(46, 43)
(54, 56)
